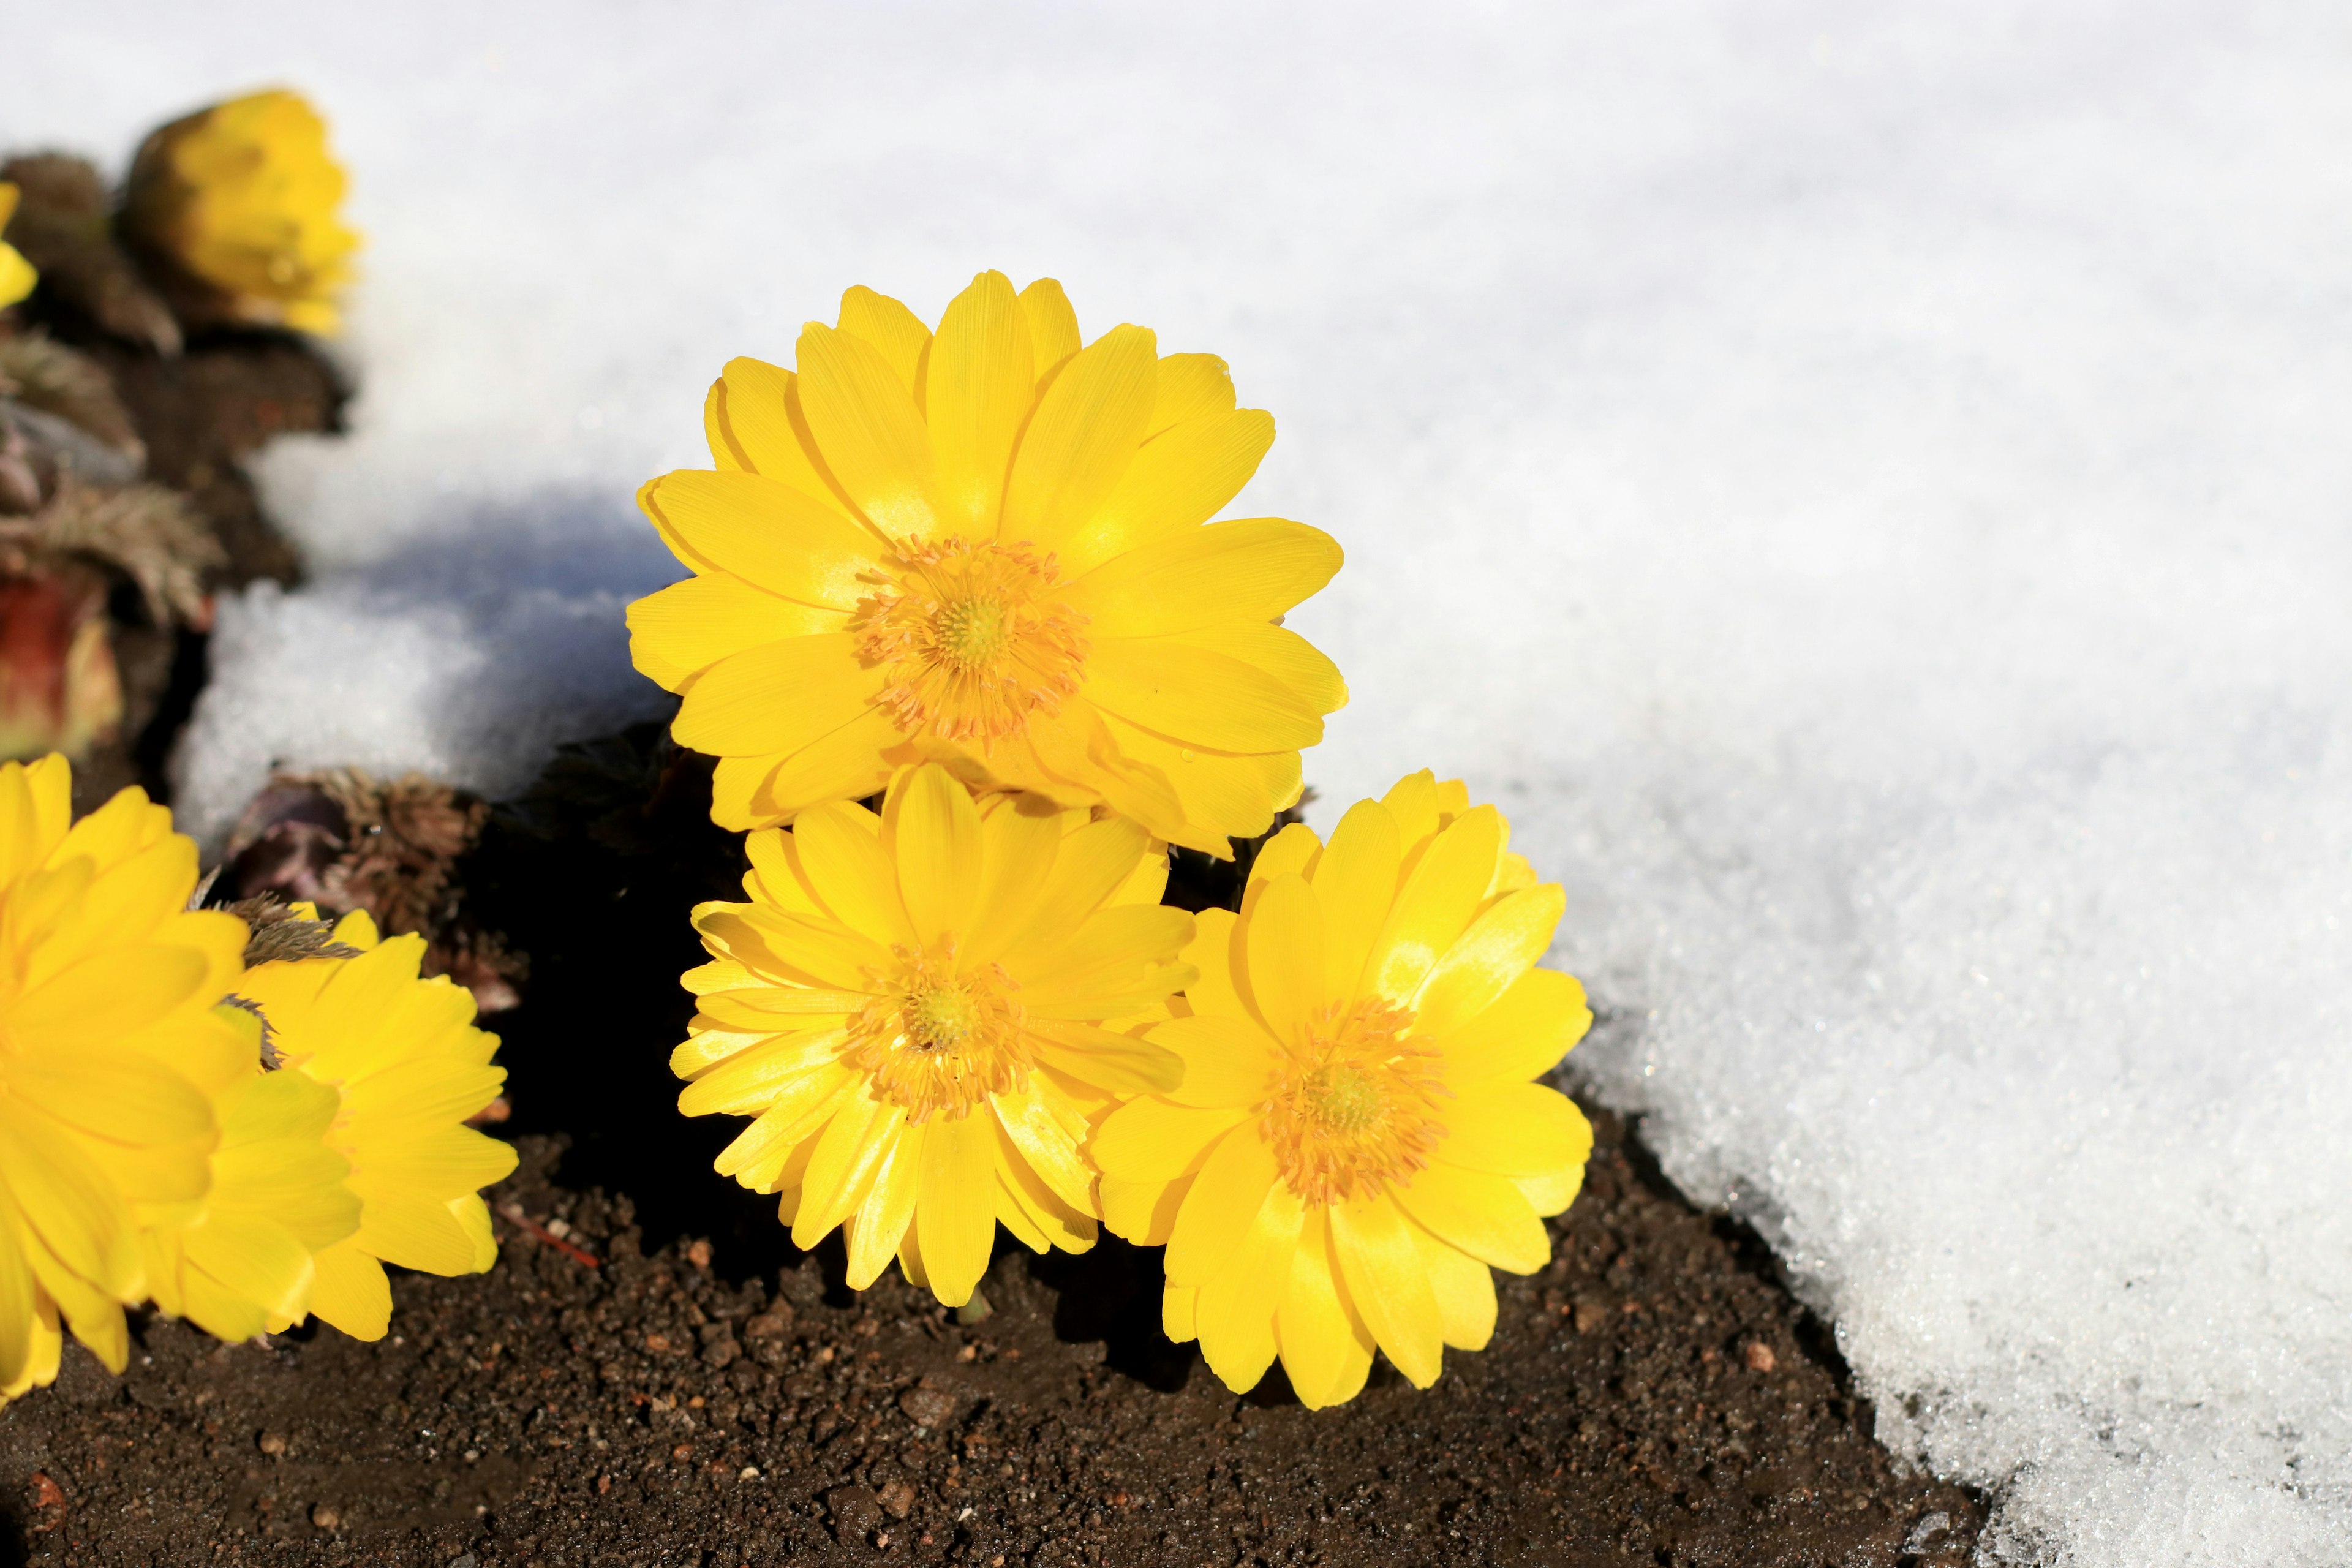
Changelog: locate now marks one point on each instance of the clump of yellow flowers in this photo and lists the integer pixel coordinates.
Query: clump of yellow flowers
(242, 198)
(241, 1145)
(970, 573)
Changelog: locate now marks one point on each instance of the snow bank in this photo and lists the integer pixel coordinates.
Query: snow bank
(1864, 485)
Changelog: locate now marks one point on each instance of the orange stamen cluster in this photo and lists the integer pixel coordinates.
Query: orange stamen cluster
(973, 637)
(1354, 1106)
(935, 1042)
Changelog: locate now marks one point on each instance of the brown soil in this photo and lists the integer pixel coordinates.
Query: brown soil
(660, 1378)
(1649, 1398)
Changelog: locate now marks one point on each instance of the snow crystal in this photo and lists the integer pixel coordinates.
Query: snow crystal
(1865, 486)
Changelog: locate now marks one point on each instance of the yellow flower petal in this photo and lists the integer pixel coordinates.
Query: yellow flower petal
(106, 995)
(955, 1215)
(1289, 660)
(1234, 1315)
(1191, 386)
(1178, 1312)
(1355, 880)
(1114, 967)
(1284, 947)
(690, 626)
(1289, 853)
(1479, 1213)
(1053, 325)
(1045, 1145)
(70, 1206)
(1381, 1266)
(1015, 841)
(122, 1097)
(891, 327)
(1116, 1063)
(1502, 944)
(979, 386)
(779, 696)
(934, 838)
(764, 790)
(788, 1071)
(1227, 1062)
(869, 433)
(1413, 801)
(1229, 1191)
(1463, 1288)
(1521, 1035)
(1210, 952)
(1087, 867)
(883, 1216)
(1551, 1191)
(771, 536)
(1181, 479)
(349, 1290)
(1143, 1212)
(848, 871)
(1252, 569)
(1516, 1129)
(1326, 1349)
(1198, 697)
(754, 422)
(1153, 1141)
(1439, 897)
(1082, 437)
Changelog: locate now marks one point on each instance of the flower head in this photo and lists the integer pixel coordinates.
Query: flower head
(988, 547)
(407, 1066)
(914, 1007)
(1356, 1138)
(279, 1196)
(242, 197)
(16, 274)
(112, 1061)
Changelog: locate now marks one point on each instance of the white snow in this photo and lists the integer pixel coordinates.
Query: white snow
(1865, 485)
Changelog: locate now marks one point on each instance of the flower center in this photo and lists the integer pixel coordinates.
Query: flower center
(974, 633)
(935, 1042)
(971, 637)
(1354, 1107)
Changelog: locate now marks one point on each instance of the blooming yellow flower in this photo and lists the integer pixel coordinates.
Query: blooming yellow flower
(1356, 1138)
(278, 1198)
(16, 274)
(986, 547)
(243, 196)
(913, 1005)
(112, 1058)
(409, 1067)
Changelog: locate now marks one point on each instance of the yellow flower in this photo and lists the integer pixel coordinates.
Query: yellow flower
(409, 1066)
(242, 196)
(278, 1198)
(985, 548)
(112, 1058)
(16, 274)
(913, 1006)
(1356, 1138)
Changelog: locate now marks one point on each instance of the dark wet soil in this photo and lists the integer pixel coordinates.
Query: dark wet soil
(1652, 1397)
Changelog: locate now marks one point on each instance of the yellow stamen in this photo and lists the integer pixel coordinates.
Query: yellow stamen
(973, 638)
(1354, 1106)
(935, 1042)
